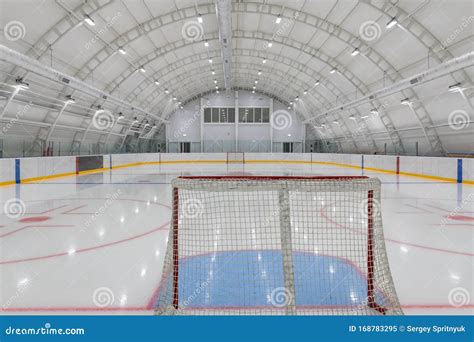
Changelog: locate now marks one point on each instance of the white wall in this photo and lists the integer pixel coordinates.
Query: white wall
(185, 124)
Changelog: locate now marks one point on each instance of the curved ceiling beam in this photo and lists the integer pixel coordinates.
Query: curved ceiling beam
(59, 30)
(64, 26)
(420, 112)
(415, 28)
(270, 88)
(141, 30)
(298, 67)
(313, 21)
(358, 84)
(303, 18)
(274, 9)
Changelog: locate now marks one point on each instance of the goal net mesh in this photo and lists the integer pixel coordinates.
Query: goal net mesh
(276, 246)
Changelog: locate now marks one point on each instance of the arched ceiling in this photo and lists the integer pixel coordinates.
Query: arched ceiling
(326, 52)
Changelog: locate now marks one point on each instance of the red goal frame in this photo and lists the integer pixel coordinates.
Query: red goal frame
(370, 227)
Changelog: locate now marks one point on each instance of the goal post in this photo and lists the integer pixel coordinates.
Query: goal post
(235, 158)
(274, 245)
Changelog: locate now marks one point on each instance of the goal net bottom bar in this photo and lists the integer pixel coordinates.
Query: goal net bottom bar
(276, 246)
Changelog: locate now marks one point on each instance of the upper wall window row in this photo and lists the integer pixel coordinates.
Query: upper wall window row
(219, 115)
(254, 115)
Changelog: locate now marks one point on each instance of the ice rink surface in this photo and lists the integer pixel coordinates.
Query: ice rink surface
(95, 243)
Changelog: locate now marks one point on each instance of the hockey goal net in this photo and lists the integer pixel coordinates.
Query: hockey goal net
(276, 245)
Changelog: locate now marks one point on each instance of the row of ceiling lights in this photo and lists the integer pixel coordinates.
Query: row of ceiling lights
(20, 84)
(393, 21)
(121, 50)
(406, 101)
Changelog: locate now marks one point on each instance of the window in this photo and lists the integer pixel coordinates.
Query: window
(223, 115)
(243, 115)
(215, 114)
(266, 115)
(219, 115)
(254, 115)
(207, 115)
(231, 114)
(258, 115)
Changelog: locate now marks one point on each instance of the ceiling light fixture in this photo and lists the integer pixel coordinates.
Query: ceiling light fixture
(316, 83)
(20, 84)
(213, 72)
(206, 43)
(200, 20)
(259, 72)
(333, 70)
(157, 83)
(455, 87)
(167, 91)
(210, 60)
(305, 92)
(70, 100)
(355, 52)
(264, 60)
(405, 101)
(374, 111)
(270, 44)
(142, 69)
(392, 23)
(89, 20)
(278, 19)
(364, 117)
(122, 51)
